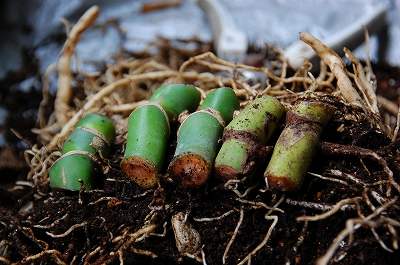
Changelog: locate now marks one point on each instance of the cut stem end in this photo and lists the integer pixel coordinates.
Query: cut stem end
(140, 171)
(190, 171)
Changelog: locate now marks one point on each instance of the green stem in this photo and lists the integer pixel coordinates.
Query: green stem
(90, 140)
(176, 98)
(297, 144)
(245, 137)
(199, 136)
(100, 124)
(148, 131)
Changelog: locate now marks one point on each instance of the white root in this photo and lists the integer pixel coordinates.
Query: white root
(325, 215)
(351, 226)
(233, 236)
(64, 92)
(336, 65)
(366, 86)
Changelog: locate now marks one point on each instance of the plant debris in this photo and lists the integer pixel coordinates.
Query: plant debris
(347, 210)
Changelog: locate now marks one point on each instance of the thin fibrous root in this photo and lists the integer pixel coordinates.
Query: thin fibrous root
(265, 240)
(233, 236)
(332, 211)
(352, 225)
(72, 228)
(55, 254)
(330, 148)
(317, 206)
(210, 219)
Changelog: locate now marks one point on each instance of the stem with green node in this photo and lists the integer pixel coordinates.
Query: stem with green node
(90, 140)
(176, 98)
(149, 130)
(297, 144)
(245, 137)
(199, 138)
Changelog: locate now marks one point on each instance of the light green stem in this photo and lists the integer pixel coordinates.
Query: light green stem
(245, 137)
(297, 144)
(176, 98)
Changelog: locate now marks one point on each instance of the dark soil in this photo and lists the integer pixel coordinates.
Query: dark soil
(96, 226)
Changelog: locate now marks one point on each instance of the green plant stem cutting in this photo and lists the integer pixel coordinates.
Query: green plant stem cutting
(199, 136)
(245, 137)
(297, 144)
(90, 140)
(149, 130)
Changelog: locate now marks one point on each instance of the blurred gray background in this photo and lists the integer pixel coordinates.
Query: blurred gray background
(32, 24)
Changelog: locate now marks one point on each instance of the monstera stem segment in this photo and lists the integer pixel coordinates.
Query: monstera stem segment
(245, 137)
(297, 144)
(149, 130)
(90, 140)
(199, 136)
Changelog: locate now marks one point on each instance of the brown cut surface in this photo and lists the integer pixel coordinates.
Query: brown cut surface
(225, 173)
(140, 171)
(189, 171)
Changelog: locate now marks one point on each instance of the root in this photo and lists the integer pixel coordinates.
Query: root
(262, 244)
(233, 236)
(352, 225)
(64, 92)
(334, 209)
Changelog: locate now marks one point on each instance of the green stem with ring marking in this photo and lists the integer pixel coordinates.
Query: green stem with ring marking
(176, 98)
(199, 138)
(149, 130)
(297, 144)
(90, 140)
(244, 139)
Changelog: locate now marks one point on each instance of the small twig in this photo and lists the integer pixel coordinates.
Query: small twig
(228, 185)
(203, 256)
(339, 173)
